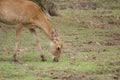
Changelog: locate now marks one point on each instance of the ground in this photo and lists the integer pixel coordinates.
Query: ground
(91, 49)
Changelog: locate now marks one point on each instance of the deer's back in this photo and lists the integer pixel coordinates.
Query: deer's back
(18, 11)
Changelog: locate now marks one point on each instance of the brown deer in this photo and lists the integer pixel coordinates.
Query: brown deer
(25, 13)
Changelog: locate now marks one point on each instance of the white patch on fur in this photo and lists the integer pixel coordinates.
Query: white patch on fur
(51, 46)
(53, 57)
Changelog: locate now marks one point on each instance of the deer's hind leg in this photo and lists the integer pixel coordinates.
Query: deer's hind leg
(19, 28)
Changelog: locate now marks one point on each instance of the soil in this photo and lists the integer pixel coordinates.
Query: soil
(53, 74)
(87, 75)
(114, 40)
(84, 5)
(111, 42)
(85, 47)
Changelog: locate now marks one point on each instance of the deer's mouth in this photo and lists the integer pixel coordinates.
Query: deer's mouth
(55, 59)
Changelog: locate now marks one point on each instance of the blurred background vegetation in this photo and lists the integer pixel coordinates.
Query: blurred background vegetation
(51, 6)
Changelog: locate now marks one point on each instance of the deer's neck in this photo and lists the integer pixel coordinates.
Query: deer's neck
(47, 30)
(45, 26)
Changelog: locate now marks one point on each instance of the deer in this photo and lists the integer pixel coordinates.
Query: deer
(27, 14)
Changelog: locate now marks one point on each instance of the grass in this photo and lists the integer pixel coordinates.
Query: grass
(84, 51)
(91, 4)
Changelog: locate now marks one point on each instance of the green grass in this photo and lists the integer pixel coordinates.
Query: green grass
(78, 56)
(98, 4)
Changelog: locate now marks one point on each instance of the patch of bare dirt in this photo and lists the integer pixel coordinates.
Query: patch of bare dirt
(80, 5)
(80, 76)
(110, 42)
(62, 75)
(116, 71)
(115, 63)
(54, 74)
(114, 40)
(103, 20)
(100, 24)
(115, 36)
(87, 75)
(113, 77)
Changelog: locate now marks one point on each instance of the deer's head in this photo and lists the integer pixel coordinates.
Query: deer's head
(56, 46)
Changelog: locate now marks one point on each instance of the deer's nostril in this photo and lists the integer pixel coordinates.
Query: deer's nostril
(58, 48)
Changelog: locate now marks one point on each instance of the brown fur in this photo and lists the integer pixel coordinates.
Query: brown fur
(25, 13)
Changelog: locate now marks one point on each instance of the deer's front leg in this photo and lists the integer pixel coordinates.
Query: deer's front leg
(18, 31)
(35, 35)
